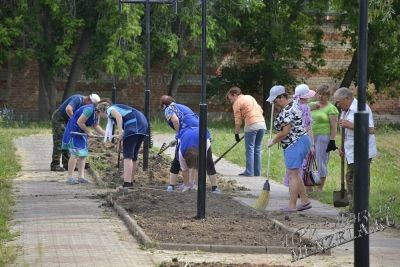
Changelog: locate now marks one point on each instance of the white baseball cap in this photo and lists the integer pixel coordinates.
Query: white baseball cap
(95, 98)
(303, 91)
(274, 92)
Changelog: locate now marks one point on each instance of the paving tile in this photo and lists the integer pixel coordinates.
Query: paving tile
(59, 224)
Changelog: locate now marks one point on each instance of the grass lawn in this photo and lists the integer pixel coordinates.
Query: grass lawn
(9, 167)
(385, 168)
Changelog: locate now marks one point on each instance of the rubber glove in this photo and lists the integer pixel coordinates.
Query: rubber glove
(237, 138)
(331, 146)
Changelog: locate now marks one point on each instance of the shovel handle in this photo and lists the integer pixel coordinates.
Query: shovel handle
(342, 161)
(119, 154)
(85, 134)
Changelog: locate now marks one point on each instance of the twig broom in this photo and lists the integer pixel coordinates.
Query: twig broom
(263, 198)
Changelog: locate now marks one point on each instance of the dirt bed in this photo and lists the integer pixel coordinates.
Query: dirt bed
(170, 217)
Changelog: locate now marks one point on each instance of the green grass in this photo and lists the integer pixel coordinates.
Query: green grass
(385, 168)
(9, 167)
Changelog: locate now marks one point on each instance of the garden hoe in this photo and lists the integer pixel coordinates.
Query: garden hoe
(164, 146)
(229, 149)
(340, 198)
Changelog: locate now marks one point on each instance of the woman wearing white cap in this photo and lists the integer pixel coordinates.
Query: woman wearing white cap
(295, 143)
(59, 120)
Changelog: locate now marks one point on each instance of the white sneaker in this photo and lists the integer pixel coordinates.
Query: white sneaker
(170, 188)
(217, 191)
(185, 188)
(193, 187)
(72, 180)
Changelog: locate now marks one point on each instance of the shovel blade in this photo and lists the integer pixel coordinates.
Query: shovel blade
(340, 199)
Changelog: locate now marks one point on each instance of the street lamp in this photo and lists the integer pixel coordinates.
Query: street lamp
(148, 4)
(361, 136)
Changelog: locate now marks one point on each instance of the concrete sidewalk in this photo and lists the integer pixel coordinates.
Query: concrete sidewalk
(64, 225)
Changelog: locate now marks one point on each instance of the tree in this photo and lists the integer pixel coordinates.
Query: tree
(275, 34)
(383, 42)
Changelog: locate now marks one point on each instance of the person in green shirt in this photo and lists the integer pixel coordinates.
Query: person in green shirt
(324, 127)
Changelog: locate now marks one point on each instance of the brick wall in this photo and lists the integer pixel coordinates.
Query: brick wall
(23, 93)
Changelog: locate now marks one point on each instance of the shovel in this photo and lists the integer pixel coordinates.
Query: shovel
(229, 149)
(340, 198)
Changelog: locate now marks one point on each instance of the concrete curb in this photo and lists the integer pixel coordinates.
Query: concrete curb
(97, 180)
(132, 225)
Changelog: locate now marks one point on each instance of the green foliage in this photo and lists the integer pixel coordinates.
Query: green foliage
(383, 39)
(272, 35)
(117, 43)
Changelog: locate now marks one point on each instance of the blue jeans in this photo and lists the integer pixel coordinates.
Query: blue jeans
(253, 145)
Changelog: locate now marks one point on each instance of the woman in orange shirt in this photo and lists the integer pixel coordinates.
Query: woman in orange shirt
(247, 110)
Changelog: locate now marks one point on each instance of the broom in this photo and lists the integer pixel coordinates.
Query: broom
(263, 198)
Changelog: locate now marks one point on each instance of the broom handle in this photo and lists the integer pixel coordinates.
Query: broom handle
(342, 163)
(270, 136)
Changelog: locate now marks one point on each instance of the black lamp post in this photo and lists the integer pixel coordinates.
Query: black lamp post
(202, 163)
(361, 136)
(148, 3)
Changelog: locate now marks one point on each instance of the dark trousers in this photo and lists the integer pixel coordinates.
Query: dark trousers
(350, 183)
(58, 123)
(176, 167)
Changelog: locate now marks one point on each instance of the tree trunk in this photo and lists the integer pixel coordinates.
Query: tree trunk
(47, 90)
(77, 67)
(46, 100)
(351, 71)
(174, 84)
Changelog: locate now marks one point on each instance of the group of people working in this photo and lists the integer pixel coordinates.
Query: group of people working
(71, 122)
(301, 127)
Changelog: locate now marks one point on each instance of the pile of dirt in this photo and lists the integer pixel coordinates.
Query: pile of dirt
(104, 159)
